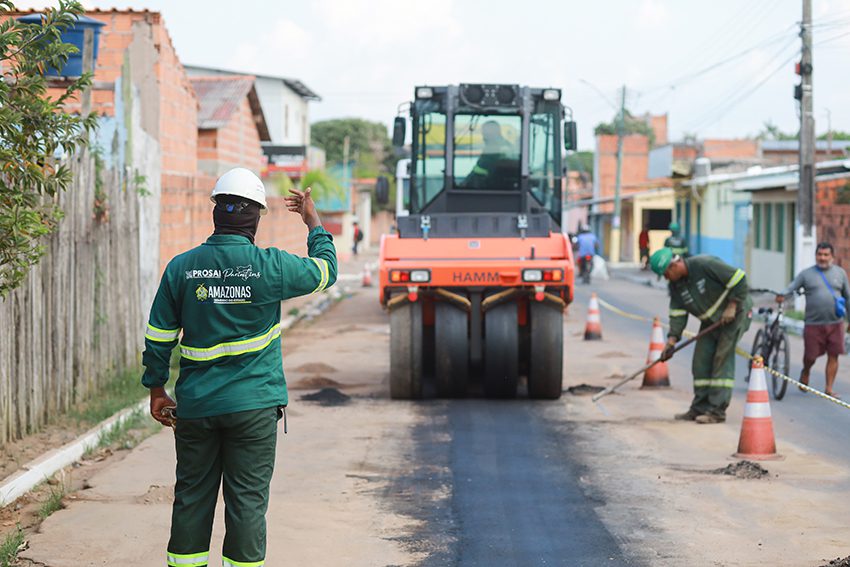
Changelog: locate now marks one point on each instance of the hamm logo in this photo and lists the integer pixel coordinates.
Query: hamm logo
(475, 277)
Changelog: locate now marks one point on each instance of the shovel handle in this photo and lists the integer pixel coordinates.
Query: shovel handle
(677, 348)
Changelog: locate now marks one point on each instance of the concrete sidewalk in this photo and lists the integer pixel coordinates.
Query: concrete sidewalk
(638, 276)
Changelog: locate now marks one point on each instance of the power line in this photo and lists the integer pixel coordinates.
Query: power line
(731, 104)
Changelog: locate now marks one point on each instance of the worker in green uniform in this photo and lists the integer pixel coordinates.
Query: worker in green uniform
(711, 290)
(676, 241)
(225, 295)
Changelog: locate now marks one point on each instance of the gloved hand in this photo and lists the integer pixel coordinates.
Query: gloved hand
(729, 313)
(667, 353)
(160, 401)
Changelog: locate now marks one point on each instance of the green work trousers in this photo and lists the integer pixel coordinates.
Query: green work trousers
(238, 451)
(713, 366)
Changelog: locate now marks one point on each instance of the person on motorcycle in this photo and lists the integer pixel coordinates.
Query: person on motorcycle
(588, 246)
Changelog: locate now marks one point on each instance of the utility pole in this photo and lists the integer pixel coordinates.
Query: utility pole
(828, 134)
(615, 223)
(805, 231)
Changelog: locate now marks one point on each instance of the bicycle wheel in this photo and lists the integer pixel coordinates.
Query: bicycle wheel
(780, 361)
(758, 347)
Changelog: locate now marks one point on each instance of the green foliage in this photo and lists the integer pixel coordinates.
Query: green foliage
(842, 195)
(137, 427)
(53, 501)
(282, 184)
(836, 135)
(581, 161)
(631, 125)
(33, 130)
(369, 145)
(120, 391)
(324, 185)
(9, 547)
(771, 131)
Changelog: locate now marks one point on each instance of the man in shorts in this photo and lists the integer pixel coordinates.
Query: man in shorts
(823, 334)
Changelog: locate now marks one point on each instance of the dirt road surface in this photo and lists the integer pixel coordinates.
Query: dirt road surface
(369, 481)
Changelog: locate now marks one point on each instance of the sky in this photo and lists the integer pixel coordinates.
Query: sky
(718, 69)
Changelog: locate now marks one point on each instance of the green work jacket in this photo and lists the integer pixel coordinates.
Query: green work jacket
(225, 296)
(710, 284)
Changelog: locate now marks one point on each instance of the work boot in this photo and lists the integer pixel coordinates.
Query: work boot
(710, 418)
(689, 415)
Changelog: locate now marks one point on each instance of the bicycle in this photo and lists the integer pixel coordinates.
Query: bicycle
(771, 343)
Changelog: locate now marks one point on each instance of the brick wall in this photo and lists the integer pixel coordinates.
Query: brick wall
(635, 167)
(731, 149)
(235, 145)
(658, 123)
(187, 219)
(833, 220)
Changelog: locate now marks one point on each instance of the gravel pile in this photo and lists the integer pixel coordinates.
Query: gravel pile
(743, 469)
(584, 390)
(327, 397)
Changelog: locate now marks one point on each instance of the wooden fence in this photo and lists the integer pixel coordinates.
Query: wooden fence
(76, 319)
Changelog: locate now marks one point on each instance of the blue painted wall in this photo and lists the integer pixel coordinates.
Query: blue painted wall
(723, 248)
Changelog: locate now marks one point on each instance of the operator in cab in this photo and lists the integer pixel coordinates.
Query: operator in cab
(497, 162)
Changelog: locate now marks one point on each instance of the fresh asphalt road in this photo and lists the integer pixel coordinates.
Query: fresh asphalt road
(803, 419)
(516, 492)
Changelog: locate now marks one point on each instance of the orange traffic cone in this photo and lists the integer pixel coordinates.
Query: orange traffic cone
(659, 375)
(757, 441)
(593, 328)
(367, 277)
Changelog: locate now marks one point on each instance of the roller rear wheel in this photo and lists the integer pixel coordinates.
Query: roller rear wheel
(501, 351)
(406, 352)
(451, 350)
(546, 363)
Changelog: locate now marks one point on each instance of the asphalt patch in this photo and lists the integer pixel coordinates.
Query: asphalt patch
(744, 469)
(584, 390)
(327, 397)
(838, 562)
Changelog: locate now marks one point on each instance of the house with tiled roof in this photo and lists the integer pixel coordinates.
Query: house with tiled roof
(173, 139)
(231, 124)
(286, 106)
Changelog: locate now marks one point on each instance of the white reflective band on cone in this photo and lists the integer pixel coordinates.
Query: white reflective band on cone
(757, 409)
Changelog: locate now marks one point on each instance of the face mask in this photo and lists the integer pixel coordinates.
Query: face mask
(236, 216)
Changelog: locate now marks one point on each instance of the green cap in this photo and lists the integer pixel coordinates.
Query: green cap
(674, 227)
(660, 260)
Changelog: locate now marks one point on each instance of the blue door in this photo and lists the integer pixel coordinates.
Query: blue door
(742, 230)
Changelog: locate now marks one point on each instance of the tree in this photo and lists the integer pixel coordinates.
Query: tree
(631, 125)
(34, 133)
(581, 161)
(836, 135)
(369, 147)
(771, 131)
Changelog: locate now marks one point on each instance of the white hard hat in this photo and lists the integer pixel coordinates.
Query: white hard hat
(242, 183)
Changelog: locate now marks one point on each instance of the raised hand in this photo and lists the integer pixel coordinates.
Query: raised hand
(302, 203)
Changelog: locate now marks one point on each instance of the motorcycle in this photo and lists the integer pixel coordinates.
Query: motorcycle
(585, 264)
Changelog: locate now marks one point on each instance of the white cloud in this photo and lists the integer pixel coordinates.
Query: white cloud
(653, 15)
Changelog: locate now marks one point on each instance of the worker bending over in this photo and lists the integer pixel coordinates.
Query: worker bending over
(711, 290)
(225, 296)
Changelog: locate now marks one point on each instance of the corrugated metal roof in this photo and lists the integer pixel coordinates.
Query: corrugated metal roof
(295, 85)
(219, 98)
(792, 145)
